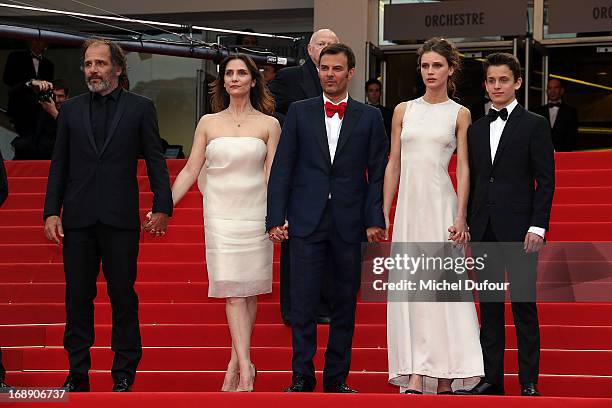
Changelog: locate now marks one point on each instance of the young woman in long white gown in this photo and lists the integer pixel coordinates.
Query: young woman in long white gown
(232, 153)
(430, 339)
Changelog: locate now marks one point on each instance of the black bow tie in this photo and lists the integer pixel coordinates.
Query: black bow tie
(38, 57)
(554, 104)
(494, 114)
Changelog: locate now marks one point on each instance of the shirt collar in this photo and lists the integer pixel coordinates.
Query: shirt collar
(326, 99)
(510, 107)
(113, 95)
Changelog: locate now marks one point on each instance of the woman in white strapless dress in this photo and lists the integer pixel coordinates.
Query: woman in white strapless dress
(231, 158)
(438, 340)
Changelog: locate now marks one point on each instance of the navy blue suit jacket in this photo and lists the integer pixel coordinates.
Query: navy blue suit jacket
(303, 176)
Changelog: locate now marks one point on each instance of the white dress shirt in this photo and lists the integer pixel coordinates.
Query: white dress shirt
(333, 126)
(552, 115)
(496, 129)
(36, 63)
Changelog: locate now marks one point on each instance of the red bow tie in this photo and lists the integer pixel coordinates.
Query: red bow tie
(331, 109)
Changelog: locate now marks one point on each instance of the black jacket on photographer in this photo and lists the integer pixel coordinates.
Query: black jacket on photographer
(23, 107)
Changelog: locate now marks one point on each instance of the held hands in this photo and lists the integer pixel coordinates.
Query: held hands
(156, 224)
(279, 233)
(54, 229)
(459, 232)
(376, 234)
(533, 243)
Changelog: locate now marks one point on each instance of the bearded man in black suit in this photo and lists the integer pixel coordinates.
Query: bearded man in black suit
(93, 183)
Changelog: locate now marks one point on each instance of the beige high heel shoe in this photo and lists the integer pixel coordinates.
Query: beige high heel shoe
(249, 388)
(230, 382)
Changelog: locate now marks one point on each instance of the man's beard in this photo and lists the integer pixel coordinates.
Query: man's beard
(103, 85)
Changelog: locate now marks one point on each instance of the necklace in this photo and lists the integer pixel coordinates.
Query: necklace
(238, 123)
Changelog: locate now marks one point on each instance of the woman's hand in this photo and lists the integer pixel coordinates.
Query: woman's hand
(459, 231)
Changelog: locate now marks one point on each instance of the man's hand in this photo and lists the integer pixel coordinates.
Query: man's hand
(156, 224)
(54, 229)
(41, 85)
(375, 234)
(50, 108)
(533, 243)
(279, 233)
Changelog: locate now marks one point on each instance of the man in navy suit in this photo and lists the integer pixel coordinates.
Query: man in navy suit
(326, 181)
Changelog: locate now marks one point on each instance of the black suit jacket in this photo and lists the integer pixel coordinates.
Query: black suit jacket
(3, 181)
(295, 84)
(565, 132)
(19, 69)
(504, 191)
(22, 103)
(303, 176)
(101, 186)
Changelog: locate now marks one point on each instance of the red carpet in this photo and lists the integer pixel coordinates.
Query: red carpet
(186, 340)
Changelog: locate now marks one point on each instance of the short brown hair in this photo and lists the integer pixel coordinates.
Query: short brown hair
(339, 48)
(450, 53)
(118, 57)
(260, 96)
(503, 58)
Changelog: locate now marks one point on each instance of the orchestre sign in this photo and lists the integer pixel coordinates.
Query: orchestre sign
(565, 16)
(473, 18)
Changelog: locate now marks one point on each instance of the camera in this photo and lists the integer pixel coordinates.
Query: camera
(45, 96)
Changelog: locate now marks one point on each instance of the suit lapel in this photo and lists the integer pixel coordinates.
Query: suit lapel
(351, 117)
(87, 124)
(317, 118)
(310, 83)
(120, 108)
(511, 125)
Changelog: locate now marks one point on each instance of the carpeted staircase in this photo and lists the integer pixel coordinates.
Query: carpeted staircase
(187, 342)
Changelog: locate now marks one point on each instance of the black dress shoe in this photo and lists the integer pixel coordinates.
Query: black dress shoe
(446, 393)
(338, 387)
(323, 319)
(122, 385)
(483, 388)
(4, 387)
(529, 390)
(76, 383)
(302, 383)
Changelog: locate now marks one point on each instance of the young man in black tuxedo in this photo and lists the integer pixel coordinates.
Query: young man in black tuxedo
(562, 117)
(93, 184)
(510, 150)
(4, 387)
(318, 183)
(294, 84)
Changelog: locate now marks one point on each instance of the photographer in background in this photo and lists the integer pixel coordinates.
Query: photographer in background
(37, 143)
(24, 70)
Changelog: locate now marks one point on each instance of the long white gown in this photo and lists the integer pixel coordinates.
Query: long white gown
(434, 339)
(233, 183)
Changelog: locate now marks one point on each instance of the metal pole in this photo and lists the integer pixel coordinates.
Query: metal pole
(153, 47)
